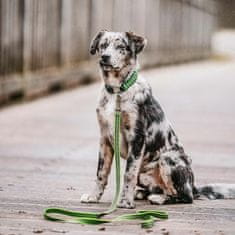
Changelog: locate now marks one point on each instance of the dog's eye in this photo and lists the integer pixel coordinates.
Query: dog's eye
(103, 45)
(121, 47)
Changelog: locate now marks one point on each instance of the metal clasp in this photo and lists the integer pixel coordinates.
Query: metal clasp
(118, 103)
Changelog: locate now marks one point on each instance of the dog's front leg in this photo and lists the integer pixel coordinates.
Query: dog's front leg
(135, 155)
(103, 170)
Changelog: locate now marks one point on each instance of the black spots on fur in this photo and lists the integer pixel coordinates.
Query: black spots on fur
(130, 52)
(156, 190)
(177, 148)
(128, 58)
(150, 132)
(169, 161)
(136, 42)
(128, 49)
(169, 136)
(182, 182)
(122, 51)
(100, 164)
(137, 145)
(151, 157)
(185, 159)
(103, 102)
(127, 203)
(157, 142)
(129, 162)
(152, 110)
(109, 89)
(179, 176)
(172, 138)
(138, 140)
(196, 193)
(95, 42)
(124, 42)
(121, 45)
(104, 45)
(158, 110)
(186, 197)
(209, 192)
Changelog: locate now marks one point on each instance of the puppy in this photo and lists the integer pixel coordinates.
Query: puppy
(155, 159)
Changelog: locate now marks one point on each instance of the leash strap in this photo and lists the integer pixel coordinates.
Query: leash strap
(147, 217)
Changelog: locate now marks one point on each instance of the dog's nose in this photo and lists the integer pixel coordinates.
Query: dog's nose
(105, 58)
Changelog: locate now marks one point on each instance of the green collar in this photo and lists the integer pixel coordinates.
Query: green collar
(126, 84)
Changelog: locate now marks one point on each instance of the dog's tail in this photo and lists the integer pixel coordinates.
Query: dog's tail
(216, 191)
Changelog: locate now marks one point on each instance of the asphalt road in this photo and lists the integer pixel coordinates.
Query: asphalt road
(48, 153)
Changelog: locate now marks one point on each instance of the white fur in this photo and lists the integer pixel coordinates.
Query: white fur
(157, 199)
(88, 198)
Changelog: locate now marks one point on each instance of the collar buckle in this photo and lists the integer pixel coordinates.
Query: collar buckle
(118, 103)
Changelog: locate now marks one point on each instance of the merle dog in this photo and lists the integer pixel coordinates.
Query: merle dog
(157, 167)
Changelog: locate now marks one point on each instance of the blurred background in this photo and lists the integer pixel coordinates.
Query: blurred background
(49, 146)
(44, 44)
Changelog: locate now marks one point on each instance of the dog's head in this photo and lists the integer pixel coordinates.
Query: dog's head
(116, 49)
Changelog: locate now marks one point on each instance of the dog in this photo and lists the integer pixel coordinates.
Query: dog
(157, 167)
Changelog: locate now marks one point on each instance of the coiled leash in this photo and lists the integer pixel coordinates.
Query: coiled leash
(147, 217)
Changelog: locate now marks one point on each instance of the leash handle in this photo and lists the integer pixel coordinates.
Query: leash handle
(147, 217)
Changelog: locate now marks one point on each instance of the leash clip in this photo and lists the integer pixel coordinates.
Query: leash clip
(118, 103)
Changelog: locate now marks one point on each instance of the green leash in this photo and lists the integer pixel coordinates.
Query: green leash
(147, 217)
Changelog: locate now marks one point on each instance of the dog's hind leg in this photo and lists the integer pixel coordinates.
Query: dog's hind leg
(146, 186)
(175, 179)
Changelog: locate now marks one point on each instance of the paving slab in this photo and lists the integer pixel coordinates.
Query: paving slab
(48, 153)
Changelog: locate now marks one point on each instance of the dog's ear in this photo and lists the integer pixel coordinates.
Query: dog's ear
(95, 42)
(137, 43)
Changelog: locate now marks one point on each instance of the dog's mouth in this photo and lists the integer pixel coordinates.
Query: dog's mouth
(107, 66)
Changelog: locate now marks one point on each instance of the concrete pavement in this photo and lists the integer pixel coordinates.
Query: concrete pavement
(48, 153)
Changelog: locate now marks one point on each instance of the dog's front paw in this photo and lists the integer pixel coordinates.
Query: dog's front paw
(125, 203)
(87, 198)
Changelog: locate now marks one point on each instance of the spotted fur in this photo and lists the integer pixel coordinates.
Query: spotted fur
(156, 162)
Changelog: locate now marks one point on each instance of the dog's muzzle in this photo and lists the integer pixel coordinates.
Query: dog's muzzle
(106, 65)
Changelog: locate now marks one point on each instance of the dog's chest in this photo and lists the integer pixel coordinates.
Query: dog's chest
(106, 117)
(106, 113)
